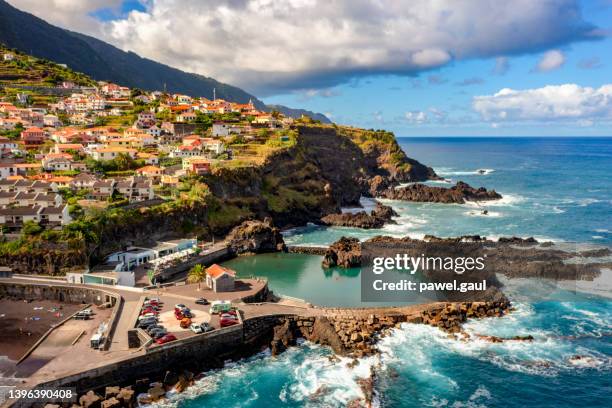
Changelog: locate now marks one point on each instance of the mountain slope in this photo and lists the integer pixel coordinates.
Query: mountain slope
(103, 61)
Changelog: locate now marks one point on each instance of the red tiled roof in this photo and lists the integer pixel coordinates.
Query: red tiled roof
(215, 270)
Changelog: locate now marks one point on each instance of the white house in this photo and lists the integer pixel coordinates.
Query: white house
(220, 279)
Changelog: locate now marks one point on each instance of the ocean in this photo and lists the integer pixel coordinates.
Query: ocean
(553, 189)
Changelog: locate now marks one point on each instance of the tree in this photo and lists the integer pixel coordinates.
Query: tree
(197, 274)
(31, 228)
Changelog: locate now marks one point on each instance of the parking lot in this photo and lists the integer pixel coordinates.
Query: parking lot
(166, 318)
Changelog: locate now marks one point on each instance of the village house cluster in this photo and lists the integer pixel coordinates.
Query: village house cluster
(109, 144)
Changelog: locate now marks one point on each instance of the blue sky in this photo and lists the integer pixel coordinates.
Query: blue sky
(418, 68)
(381, 101)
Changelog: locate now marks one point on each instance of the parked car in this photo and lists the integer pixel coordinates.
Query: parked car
(146, 311)
(202, 301)
(187, 313)
(154, 299)
(153, 327)
(147, 316)
(166, 338)
(196, 328)
(228, 322)
(179, 306)
(80, 316)
(87, 312)
(206, 327)
(158, 333)
(151, 302)
(185, 323)
(145, 324)
(228, 316)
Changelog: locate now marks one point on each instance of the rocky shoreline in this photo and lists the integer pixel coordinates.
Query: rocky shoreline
(458, 194)
(512, 257)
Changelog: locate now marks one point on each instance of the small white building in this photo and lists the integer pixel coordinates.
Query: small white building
(220, 279)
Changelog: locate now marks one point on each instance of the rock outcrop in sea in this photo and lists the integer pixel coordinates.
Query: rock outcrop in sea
(346, 253)
(458, 194)
(378, 217)
(512, 257)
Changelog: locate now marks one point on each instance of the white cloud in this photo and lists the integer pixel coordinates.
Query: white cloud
(568, 102)
(550, 61)
(71, 14)
(271, 46)
(416, 117)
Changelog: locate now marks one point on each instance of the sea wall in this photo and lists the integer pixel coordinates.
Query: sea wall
(57, 292)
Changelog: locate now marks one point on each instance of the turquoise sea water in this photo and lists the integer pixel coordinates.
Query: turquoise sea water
(553, 188)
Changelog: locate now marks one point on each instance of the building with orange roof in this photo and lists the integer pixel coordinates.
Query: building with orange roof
(220, 278)
(152, 172)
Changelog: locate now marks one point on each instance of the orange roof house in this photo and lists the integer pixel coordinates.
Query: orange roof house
(220, 279)
(149, 171)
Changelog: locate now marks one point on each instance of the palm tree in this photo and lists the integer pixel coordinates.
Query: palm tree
(197, 274)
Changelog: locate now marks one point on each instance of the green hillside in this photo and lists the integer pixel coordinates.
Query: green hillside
(104, 62)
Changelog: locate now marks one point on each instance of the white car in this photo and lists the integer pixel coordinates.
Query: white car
(196, 328)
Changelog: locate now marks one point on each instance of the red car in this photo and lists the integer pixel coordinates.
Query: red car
(166, 339)
(145, 311)
(178, 315)
(228, 322)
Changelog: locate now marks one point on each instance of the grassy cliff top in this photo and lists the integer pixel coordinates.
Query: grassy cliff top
(25, 70)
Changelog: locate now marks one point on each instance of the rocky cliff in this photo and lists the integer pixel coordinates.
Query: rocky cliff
(328, 167)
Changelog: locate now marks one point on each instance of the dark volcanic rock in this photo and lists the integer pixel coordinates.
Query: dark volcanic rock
(380, 216)
(283, 338)
(346, 252)
(384, 211)
(459, 194)
(256, 237)
(517, 240)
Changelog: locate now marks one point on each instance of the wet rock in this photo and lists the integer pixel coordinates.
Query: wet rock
(458, 194)
(256, 237)
(170, 378)
(283, 337)
(156, 391)
(184, 381)
(517, 240)
(346, 253)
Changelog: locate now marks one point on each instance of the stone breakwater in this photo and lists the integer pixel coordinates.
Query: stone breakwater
(355, 332)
